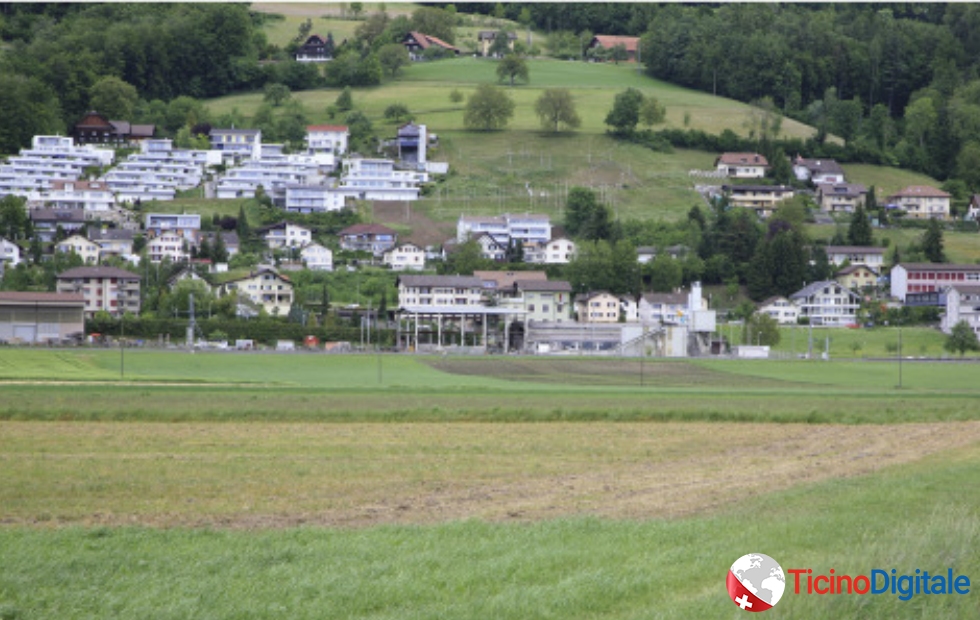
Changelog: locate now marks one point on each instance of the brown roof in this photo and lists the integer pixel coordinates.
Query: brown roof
(425, 41)
(48, 298)
(507, 278)
(366, 229)
(97, 272)
(846, 271)
(547, 286)
(608, 41)
(742, 159)
(924, 191)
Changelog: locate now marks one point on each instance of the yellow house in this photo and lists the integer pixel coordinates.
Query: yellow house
(265, 287)
(597, 307)
(88, 250)
(922, 202)
(857, 277)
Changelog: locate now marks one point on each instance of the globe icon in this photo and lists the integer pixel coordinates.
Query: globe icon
(761, 576)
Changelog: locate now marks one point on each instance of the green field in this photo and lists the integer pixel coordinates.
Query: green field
(309, 485)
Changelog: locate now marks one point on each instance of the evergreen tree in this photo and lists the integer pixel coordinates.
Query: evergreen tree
(242, 227)
(859, 231)
(219, 252)
(932, 242)
(820, 268)
(759, 276)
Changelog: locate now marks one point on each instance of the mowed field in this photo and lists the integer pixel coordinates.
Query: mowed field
(312, 486)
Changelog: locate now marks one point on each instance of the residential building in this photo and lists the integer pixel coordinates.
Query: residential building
(929, 277)
(492, 248)
(501, 284)
(229, 238)
(186, 225)
(326, 143)
(486, 38)
(962, 304)
(818, 171)
(841, 197)
(742, 165)
(315, 49)
(265, 287)
(313, 199)
(922, 202)
(524, 227)
(112, 241)
(286, 235)
(857, 277)
(94, 127)
(973, 210)
(10, 252)
(837, 255)
(559, 251)
(607, 42)
(107, 289)
(405, 257)
(827, 303)
(597, 307)
(241, 143)
(417, 43)
(415, 290)
(763, 199)
(411, 141)
(167, 245)
(662, 308)
(548, 301)
(781, 309)
(93, 197)
(87, 250)
(377, 179)
(317, 257)
(41, 317)
(47, 222)
(373, 238)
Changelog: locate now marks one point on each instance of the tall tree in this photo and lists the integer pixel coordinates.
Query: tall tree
(580, 205)
(113, 97)
(932, 242)
(652, 112)
(276, 94)
(555, 107)
(859, 231)
(489, 108)
(625, 113)
(393, 57)
(511, 67)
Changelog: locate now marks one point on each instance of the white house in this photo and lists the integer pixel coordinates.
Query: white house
(377, 179)
(186, 225)
(317, 257)
(94, 197)
(962, 304)
(837, 255)
(327, 143)
(167, 245)
(284, 234)
(439, 291)
(922, 202)
(559, 251)
(9, 252)
(492, 248)
(405, 257)
(265, 287)
(742, 165)
(88, 250)
(313, 199)
(818, 170)
(246, 143)
(827, 303)
(781, 309)
(524, 227)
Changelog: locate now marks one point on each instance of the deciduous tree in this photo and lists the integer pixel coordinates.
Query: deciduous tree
(113, 97)
(512, 67)
(961, 339)
(625, 113)
(488, 108)
(556, 108)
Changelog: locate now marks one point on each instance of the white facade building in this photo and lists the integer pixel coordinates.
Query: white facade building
(186, 225)
(526, 228)
(245, 143)
(406, 257)
(962, 304)
(326, 143)
(314, 199)
(167, 245)
(94, 197)
(9, 252)
(89, 251)
(827, 303)
(317, 257)
(377, 179)
(286, 235)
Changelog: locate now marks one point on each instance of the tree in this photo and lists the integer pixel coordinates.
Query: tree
(488, 108)
(276, 94)
(113, 97)
(510, 67)
(500, 45)
(761, 329)
(361, 132)
(555, 107)
(666, 273)
(652, 112)
(932, 242)
(397, 112)
(618, 53)
(456, 96)
(625, 113)
(393, 57)
(435, 23)
(961, 339)
(581, 203)
(345, 100)
(859, 231)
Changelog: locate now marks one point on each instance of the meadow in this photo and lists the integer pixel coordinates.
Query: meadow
(365, 486)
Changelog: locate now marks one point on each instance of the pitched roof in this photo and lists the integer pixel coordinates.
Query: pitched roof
(97, 272)
(111, 234)
(508, 278)
(665, 298)
(920, 191)
(366, 229)
(817, 166)
(813, 287)
(849, 190)
(447, 281)
(846, 271)
(742, 159)
(426, 41)
(967, 289)
(544, 286)
(608, 41)
(771, 300)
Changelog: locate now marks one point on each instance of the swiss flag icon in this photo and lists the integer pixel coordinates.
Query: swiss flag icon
(743, 597)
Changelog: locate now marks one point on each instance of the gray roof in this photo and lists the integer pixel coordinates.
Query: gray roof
(852, 249)
(97, 272)
(665, 298)
(111, 234)
(452, 281)
(58, 215)
(812, 288)
(544, 286)
(820, 165)
(241, 132)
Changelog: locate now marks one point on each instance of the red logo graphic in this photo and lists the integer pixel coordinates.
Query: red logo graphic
(755, 582)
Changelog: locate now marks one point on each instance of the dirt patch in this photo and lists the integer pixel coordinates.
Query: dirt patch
(266, 476)
(424, 230)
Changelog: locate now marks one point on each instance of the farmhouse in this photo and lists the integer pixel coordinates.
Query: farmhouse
(742, 165)
(417, 43)
(922, 202)
(486, 38)
(41, 317)
(315, 49)
(103, 288)
(909, 278)
(608, 42)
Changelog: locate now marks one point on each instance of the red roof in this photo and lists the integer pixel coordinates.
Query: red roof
(609, 41)
(425, 41)
(326, 128)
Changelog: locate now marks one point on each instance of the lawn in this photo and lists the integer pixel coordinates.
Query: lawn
(960, 247)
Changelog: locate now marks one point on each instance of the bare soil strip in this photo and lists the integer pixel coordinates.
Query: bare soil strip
(353, 475)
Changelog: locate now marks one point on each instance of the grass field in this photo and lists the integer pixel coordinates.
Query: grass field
(262, 485)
